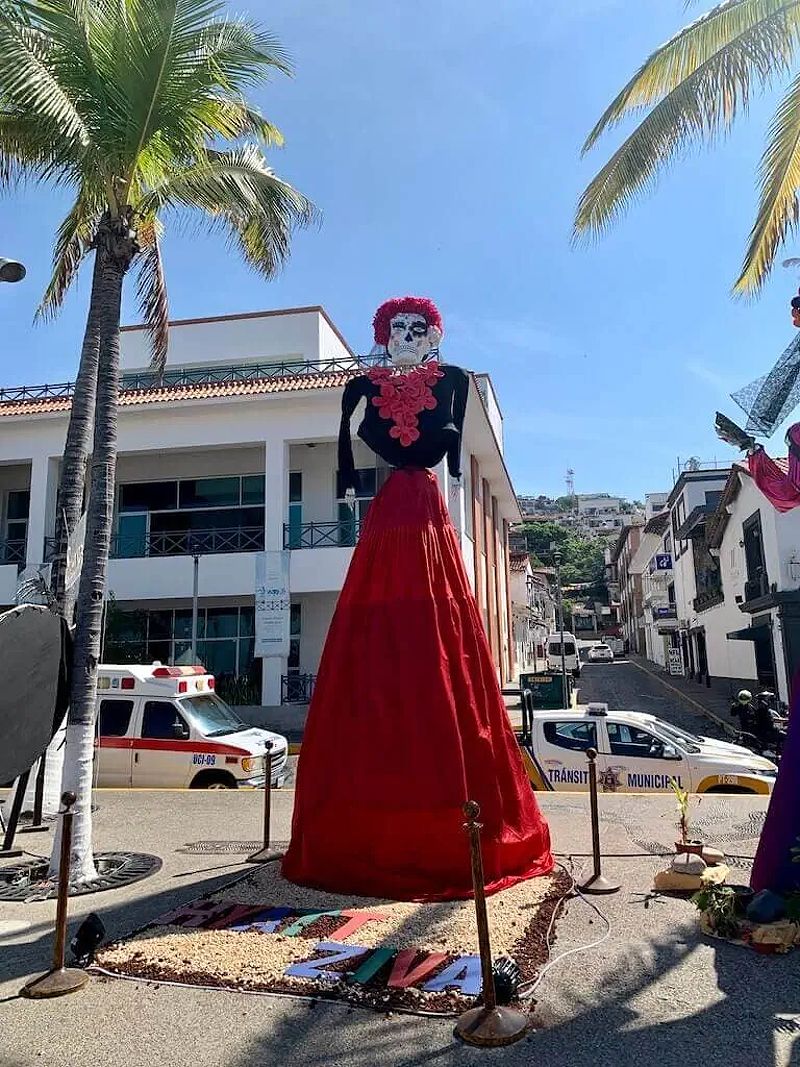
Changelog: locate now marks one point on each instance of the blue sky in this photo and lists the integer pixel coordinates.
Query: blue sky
(441, 141)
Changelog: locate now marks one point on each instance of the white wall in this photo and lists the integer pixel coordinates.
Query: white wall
(316, 614)
(292, 336)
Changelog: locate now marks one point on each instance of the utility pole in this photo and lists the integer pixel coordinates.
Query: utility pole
(557, 560)
(195, 587)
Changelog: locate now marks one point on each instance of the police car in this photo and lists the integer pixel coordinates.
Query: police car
(165, 726)
(637, 753)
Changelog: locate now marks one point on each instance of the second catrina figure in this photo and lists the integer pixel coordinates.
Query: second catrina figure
(407, 720)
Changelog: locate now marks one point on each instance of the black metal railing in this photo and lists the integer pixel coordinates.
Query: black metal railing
(181, 543)
(321, 534)
(709, 598)
(12, 552)
(297, 688)
(144, 381)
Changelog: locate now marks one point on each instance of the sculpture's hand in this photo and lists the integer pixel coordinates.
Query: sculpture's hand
(455, 488)
(350, 499)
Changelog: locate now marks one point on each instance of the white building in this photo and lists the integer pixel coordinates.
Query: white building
(236, 453)
(652, 561)
(533, 612)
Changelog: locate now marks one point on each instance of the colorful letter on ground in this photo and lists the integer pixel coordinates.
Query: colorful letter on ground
(316, 969)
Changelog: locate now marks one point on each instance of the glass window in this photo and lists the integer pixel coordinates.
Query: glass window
(209, 493)
(295, 619)
(576, 736)
(160, 720)
(160, 625)
(218, 657)
(246, 654)
(247, 622)
(295, 487)
(131, 540)
(368, 483)
(222, 622)
(115, 717)
(159, 650)
(626, 740)
(148, 496)
(183, 623)
(18, 504)
(211, 715)
(127, 625)
(253, 489)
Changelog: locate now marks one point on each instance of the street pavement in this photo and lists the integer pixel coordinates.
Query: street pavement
(624, 686)
(654, 991)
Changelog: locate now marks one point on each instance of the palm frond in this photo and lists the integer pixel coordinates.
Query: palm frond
(741, 42)
(702, 104)
(27, 82)
(778, 210)
(151, 290)
(73, 242)
(238, 192)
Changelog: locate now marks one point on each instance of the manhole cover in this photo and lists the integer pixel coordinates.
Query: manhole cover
(229, 848)
(28, 881)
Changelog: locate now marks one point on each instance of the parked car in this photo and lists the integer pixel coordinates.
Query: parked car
(165, 726)
(600, 653)
(571, 659)
(637, 753)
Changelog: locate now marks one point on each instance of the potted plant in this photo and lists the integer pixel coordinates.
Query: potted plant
(718, 906)
(686, 845)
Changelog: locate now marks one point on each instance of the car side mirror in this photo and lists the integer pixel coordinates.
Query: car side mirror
(669, 752)
(180, 731)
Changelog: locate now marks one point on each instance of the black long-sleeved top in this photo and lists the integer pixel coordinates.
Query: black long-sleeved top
(439, 428)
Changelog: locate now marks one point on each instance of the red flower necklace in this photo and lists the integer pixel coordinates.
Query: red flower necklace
(403, 395)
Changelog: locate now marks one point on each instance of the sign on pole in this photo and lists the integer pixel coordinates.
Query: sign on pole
(272, 604)
(675, 661)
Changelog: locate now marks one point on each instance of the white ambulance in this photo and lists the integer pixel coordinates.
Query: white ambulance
(163, 726)
(636, 753)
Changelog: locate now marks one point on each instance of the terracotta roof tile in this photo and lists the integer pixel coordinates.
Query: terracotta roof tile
(518, 562)
(205, 391)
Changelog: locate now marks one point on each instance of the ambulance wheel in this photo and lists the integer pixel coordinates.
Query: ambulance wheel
(213, 780)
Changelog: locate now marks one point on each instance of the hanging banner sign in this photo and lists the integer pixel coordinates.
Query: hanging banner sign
(272, 604)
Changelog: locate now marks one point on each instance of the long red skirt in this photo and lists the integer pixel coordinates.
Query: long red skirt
(407, 722)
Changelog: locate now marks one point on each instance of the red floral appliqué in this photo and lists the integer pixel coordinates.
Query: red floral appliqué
(403, 395)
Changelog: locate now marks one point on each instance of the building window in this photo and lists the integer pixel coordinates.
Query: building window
(370, 480)
(17, 507)
(295, 630)
(159, 518)
(757, 583)
(225, 639)
(295, 537)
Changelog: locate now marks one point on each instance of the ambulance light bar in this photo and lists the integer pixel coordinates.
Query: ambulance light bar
(177, 672)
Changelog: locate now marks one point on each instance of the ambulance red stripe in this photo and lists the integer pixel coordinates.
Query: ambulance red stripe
(170, 745)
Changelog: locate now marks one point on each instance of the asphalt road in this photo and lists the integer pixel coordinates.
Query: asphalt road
(626, 687)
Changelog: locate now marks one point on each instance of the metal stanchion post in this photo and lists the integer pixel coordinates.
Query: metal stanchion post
(60, 979)
(266, 854)
(37, 826)
(598, 883)
(489, 1024)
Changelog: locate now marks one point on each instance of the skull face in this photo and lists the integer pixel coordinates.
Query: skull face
(411, 340)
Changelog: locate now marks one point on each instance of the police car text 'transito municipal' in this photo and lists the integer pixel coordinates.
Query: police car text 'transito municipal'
(636, 753)
(163, 726)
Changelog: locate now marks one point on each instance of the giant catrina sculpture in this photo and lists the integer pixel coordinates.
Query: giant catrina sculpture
(407, 721)
(767, 402)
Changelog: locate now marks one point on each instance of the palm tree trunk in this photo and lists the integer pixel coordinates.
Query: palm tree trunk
(72, 480)
(116, 247)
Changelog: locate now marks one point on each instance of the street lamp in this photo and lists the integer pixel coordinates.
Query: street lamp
(11, 270)
(557, 557)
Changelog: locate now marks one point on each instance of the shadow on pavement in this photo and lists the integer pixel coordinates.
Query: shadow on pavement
(606, 1019)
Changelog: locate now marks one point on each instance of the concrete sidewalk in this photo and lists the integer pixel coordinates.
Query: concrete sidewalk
(653, 991)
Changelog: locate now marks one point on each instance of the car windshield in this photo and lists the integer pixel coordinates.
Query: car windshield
(688, 742)
(212, 716)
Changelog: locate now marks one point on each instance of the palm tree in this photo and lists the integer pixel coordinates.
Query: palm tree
(140, 108)
(693, 87)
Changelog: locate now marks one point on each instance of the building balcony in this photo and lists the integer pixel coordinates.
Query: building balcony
(335, 534)
(708, 599)
(181, 543)
(12, 552)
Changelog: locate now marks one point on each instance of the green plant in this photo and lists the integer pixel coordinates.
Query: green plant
(718, 904)
(682, 798)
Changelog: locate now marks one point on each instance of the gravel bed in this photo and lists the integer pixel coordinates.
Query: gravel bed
(519, 919)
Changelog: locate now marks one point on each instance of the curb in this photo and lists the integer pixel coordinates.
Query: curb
(726, 726)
